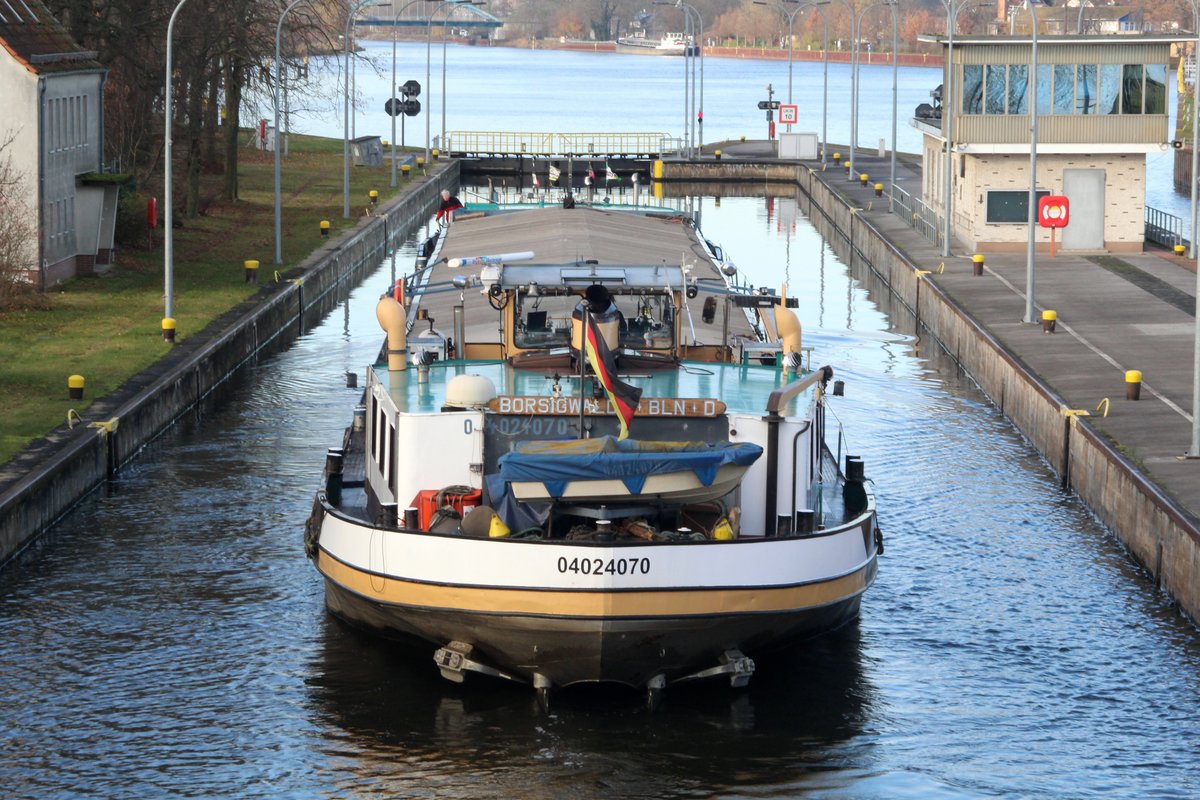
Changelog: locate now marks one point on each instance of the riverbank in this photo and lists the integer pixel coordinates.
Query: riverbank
(1066, 391)
(107, 328)
(56, 470)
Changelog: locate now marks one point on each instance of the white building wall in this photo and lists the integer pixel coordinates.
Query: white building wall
(1125, 207)
(19, 88)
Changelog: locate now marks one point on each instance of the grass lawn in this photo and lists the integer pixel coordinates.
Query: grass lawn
(108, 328)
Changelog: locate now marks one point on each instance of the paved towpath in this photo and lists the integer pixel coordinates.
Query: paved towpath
(1115, 313)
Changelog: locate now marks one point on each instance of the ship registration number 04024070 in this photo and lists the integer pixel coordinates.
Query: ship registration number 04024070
(604, 566)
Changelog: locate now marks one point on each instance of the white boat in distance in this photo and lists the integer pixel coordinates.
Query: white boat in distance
(670, 44)
(662, 507)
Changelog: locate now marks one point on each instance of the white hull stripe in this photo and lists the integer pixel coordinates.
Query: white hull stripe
(663, 603)
(539, 566)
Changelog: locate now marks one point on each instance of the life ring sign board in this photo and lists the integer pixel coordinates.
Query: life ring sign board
(1054, 211)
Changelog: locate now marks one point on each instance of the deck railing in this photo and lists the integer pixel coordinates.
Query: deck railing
(548, 144)
(920, 217)
(1163, 228)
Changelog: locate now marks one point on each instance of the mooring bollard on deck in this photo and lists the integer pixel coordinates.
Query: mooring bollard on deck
(1133, 385)
(1049, 320)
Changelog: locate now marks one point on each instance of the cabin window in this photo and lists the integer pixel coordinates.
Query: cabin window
(1018, 89)
(543, 319)
(1110, 89)
(380, 427)
(389, 469)
(996, 89)
(1065, 89)
(1131, 89)
(1156, 89)
(1085, 89)
(972, 89)
(1010, 207)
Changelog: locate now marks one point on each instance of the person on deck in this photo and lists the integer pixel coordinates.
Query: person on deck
(449, 205)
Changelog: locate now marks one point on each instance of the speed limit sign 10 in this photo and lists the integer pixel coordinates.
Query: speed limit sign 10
(789, 114)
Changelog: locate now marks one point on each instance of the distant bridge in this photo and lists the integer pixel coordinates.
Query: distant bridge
(500, 144)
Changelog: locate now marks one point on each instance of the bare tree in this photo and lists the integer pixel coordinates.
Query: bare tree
(18, 234)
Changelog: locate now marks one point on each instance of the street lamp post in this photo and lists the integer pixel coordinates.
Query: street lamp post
(279, 72)
(1195, 129)
(895, 64)
(1194, 450)
(814, 4)
(168, 186)
(953, 8)
(697, 142)
(444, 5)
(354, 9)
(1031, 245)
(855, 18)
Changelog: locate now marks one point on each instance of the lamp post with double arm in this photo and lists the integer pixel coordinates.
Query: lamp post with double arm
(791, 16)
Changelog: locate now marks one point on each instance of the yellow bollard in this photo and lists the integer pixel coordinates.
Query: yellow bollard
(75, 387)
(1180, 249)
(434, 153)
(405, 170)
(168, 329)
(1133, 385)
(977, 263)
(717, 153)
(863, 178)
(420, 162)
(325, 229)
(251, 268)
(837, 159)
(374, 195)
(879, 190)
(1049, 320)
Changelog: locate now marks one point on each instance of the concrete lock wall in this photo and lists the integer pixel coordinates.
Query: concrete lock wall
(1159, 533)
(89, 456)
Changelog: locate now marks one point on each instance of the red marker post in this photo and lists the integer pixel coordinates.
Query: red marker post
(1054, 211)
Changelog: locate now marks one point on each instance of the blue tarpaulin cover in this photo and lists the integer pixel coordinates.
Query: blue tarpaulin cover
(557, 463)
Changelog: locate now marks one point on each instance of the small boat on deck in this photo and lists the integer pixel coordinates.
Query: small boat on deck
(610, 463)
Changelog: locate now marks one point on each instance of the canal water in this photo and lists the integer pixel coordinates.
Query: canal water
(168, 638)
(507, 89)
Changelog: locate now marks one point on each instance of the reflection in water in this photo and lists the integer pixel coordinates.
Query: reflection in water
(797, 717)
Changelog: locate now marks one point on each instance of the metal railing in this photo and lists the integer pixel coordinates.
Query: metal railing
(547, 144)
(920, 217)
(1163, 228)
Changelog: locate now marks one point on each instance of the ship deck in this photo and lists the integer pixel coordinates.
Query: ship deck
(608, 238)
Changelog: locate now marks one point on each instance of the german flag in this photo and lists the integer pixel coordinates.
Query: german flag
(624, 398)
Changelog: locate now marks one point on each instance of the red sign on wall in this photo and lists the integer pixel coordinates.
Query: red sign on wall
(1054, 211)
